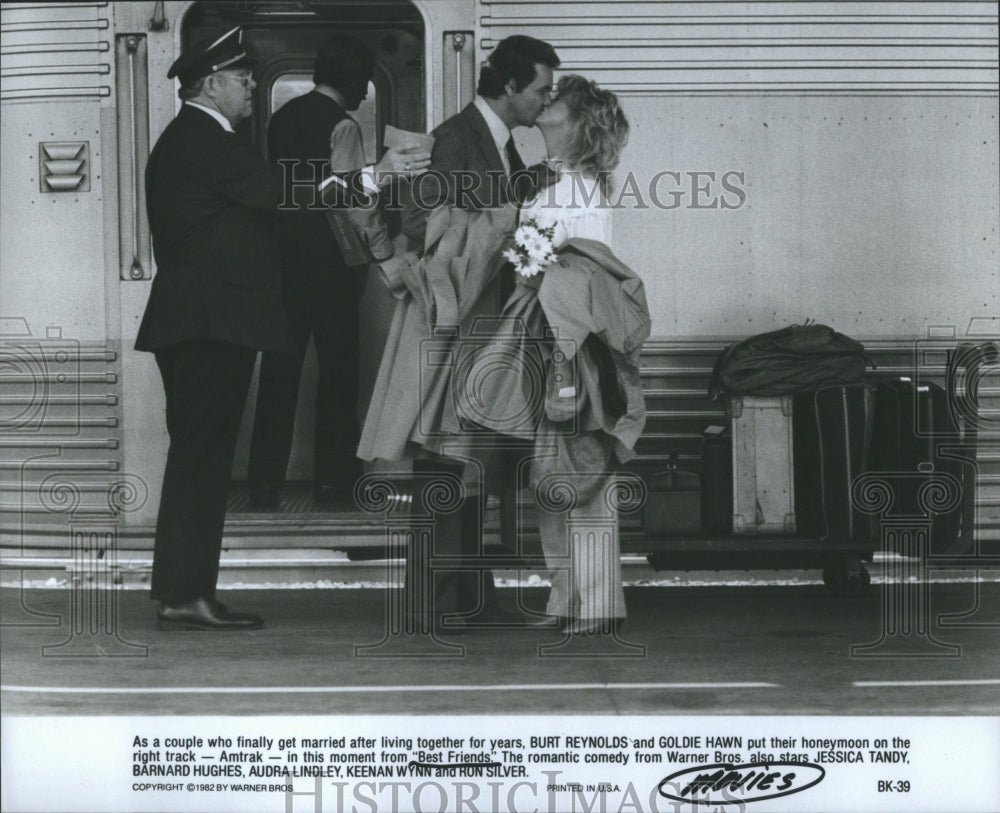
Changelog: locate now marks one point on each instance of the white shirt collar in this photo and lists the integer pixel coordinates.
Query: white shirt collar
(215, 114)
(499, 131)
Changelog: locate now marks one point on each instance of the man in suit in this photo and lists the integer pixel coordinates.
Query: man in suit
(321, 293)
(215, 301)
(474, 164)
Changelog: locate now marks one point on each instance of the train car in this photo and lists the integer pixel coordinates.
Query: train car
(788, 161)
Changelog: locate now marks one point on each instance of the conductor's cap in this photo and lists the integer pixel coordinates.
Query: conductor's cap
(206, 58)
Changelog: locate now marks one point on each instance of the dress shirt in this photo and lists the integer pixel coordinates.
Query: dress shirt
(499, 130)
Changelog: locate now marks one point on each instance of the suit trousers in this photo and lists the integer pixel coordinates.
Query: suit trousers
(321, 300)
(206, 384)
(435, 590)
(583, 556)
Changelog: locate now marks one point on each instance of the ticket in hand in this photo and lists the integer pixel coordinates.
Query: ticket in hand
(394, 137)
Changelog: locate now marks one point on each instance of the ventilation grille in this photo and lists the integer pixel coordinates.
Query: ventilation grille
(64, 166)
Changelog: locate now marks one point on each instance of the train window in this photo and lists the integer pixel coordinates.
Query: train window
(289, 85)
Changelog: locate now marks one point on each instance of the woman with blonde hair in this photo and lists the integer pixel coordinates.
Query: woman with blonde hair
(563, 371)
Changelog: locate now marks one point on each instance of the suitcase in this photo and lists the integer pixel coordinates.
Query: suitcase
(716, 480)
(673, 502)
(763, 488)
(911, 421)
(963, 379)
(832, 430)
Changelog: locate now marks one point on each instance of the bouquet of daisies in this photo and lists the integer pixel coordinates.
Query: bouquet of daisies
(533, 248)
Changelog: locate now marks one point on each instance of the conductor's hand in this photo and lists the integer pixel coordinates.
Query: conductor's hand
(401, 161)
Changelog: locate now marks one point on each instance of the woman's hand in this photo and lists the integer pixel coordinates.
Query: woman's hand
(401, 161)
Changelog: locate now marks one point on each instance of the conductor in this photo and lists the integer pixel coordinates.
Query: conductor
(215, 302)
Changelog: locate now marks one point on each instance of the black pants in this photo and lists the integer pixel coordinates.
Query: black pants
(206, 385)
(321, 301)
(433, 590)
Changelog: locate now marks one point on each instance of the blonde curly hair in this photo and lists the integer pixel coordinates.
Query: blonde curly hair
(600, 129)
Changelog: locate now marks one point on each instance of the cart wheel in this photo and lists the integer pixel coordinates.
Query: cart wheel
(850, 579)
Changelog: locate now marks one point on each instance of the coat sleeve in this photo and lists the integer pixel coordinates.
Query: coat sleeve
(435, 187)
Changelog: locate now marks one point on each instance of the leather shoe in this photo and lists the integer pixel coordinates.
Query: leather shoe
(265, 498)
(204, 614)
(224, 611)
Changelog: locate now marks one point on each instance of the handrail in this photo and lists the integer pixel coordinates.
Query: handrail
(131, 46)
(132, 93)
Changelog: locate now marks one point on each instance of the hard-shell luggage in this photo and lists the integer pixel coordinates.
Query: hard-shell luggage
(717, 480)
(763, 487)
(911, 423)
(963, 381)
(832, 435)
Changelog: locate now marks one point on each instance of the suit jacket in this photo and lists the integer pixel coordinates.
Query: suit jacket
(462, 144)
(454, 287)
(212, 200)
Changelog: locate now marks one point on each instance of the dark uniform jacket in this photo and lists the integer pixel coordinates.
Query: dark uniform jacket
(211, 200)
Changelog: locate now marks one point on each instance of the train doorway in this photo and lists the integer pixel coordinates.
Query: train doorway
(284, 38)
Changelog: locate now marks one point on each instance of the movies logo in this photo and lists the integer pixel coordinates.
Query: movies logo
(728, 784)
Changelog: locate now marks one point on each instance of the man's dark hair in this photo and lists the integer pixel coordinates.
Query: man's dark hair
(514, 58)
(342, 62)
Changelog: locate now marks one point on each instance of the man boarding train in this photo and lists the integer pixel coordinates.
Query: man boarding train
(215, 302)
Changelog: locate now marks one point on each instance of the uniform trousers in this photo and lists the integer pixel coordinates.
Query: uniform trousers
(321, 301)
(206, 384)
(434, 590)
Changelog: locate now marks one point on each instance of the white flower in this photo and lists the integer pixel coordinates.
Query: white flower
(534, 248)
(525, 233)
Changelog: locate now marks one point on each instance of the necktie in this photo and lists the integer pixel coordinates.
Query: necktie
(513, 159)
(522, 184)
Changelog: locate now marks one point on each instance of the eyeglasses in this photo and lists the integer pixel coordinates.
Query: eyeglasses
(243, 78)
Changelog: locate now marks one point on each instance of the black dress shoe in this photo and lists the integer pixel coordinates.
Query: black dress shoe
(204, 614)
(265, 498)
(224, 611)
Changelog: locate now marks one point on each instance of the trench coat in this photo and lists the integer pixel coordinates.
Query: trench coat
(447, 303)
(590, 306)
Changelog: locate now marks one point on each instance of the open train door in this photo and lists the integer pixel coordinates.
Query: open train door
(425, 71)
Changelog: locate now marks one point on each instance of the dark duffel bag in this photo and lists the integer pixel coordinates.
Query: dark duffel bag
(795, 359)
